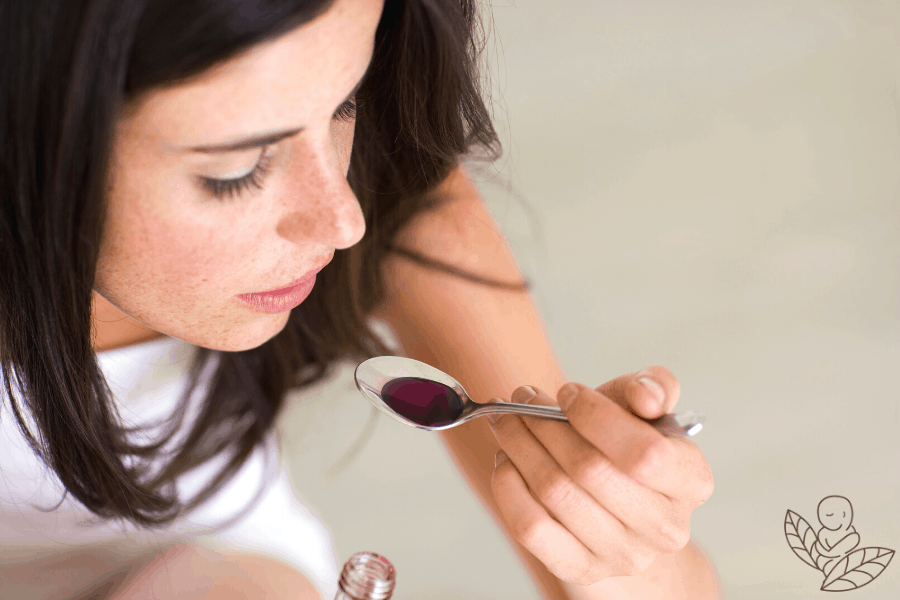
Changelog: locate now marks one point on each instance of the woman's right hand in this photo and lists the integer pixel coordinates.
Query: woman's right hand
(605, 494)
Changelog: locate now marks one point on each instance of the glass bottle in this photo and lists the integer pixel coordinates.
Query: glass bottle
(366, 576)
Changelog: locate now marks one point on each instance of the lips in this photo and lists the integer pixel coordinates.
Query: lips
(287, 288)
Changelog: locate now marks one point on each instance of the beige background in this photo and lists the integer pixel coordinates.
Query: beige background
(715, 189)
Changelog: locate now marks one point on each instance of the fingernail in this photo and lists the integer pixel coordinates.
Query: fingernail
(524, 394)
(500, 457)
(655, 389)
(566, 394)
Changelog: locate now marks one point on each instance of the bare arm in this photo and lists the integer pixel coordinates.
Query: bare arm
(493, 341)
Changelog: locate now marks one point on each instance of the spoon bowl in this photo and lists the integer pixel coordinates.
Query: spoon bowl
(418, 395)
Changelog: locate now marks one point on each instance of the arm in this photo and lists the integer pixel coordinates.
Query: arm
(847, 543)
(492, 341)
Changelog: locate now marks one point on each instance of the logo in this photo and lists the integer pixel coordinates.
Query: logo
(833, 549)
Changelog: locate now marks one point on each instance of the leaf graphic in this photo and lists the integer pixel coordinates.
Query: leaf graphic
(801, 537)
(857, 569)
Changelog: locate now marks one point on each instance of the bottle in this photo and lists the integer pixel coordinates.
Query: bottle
(366, 576)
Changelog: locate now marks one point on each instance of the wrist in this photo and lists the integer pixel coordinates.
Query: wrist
(688, 574)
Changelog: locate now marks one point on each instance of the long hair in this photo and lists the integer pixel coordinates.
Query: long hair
(67, 70)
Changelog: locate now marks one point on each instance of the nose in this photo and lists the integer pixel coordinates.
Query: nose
(319, 205)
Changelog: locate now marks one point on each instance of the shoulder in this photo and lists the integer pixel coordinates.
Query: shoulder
(192, 572)
(460, 232)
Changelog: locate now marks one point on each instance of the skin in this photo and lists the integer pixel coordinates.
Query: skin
(173, 258)
(192, 572)
(602, 482)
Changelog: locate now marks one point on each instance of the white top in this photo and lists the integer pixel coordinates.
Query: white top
(147, 381)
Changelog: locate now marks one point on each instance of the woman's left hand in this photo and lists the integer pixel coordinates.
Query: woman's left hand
(605, 494)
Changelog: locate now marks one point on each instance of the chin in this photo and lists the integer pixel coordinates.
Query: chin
(247, 337)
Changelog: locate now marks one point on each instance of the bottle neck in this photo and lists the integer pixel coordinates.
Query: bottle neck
(366, 576)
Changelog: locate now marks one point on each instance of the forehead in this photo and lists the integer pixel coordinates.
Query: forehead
(276, 84)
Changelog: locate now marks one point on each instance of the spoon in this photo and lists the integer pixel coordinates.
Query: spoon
(418, 395)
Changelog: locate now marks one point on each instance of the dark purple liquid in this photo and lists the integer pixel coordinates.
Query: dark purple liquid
(422, 401)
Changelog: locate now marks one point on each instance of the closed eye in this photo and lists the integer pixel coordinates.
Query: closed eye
(220, 188)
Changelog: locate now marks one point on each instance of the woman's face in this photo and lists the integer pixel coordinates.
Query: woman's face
(174, 258)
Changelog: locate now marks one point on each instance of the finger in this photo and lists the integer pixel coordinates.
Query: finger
(633, 445)
(576, 509)
(643, 397)
(532, 526)
(640, 508)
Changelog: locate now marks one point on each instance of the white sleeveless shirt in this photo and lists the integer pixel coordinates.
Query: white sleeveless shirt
(147, 381)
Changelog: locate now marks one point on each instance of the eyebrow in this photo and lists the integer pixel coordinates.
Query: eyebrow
(259, 141)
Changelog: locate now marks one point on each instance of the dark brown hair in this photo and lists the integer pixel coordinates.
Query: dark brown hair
(67, 70)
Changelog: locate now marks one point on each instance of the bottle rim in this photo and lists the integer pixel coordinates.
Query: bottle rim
(369, 576)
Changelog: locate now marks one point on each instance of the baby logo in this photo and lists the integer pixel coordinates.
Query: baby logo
(831, 550)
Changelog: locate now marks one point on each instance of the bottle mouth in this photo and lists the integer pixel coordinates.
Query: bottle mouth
(368, 575)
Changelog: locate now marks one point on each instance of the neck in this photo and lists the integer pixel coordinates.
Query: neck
(115, 329)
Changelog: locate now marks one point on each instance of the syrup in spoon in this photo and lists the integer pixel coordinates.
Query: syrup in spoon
(423, 401)
(418, 395)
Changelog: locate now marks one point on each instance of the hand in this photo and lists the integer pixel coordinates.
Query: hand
(605, 494)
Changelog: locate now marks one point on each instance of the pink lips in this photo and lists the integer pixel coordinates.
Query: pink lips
(284, 299)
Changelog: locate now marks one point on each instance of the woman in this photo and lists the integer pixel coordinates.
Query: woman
(166, 164)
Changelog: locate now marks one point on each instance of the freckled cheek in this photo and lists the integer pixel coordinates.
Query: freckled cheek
(189, 261)
(164, 247)
(175, 268)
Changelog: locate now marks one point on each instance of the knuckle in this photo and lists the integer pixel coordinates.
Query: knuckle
(529, 533)
(556, 490)
(596, 471)
(675, 536)
(651, 461)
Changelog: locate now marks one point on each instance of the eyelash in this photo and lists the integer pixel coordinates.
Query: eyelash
(220, 188)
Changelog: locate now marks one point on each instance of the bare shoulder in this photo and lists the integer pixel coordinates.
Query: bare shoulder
(461, 233)
(193, 572)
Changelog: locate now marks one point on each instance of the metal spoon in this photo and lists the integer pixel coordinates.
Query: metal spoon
(373, 374)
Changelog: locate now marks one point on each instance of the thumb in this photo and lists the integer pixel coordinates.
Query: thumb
(647, 399)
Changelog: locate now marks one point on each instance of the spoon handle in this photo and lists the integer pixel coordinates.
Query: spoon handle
(684, 424)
